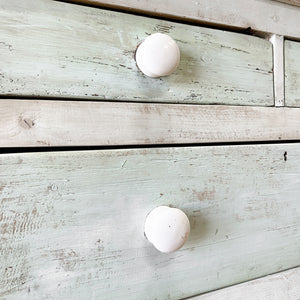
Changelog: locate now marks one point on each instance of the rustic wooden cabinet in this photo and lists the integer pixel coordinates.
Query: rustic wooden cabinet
(218, 139)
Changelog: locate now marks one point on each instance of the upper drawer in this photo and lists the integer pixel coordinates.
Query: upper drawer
(292, 73)
(72, 223)
(57, 49)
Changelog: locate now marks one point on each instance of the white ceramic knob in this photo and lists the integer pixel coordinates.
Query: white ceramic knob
(167, 228)
(158, 55)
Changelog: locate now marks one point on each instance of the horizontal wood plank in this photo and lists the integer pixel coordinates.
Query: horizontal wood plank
(264, 15)
(32, 123)
(280, 286)
(291, 2)
(54, 49)
(292, 73)
(72, 223)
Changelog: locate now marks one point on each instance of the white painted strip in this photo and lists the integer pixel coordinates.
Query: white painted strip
(280, 286)
(74, 123)
(278, 68)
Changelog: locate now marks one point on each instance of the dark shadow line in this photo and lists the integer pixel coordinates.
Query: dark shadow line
(6, 150)
(87, 99)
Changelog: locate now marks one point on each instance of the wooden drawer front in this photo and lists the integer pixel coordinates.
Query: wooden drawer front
(72, 223)
(292, 73)
(55, 49)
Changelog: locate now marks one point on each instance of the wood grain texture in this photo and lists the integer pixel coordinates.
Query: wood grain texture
(72, 223)
(32, 123)
(292, 73)
(54, 49)
(264, 15)
(280, 286)
(291, 2)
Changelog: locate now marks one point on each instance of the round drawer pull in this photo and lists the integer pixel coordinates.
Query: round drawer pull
(158, 55)
(167, 228)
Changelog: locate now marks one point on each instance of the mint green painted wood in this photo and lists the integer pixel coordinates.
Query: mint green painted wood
(71, 223)
(54, 49)
(292, 73)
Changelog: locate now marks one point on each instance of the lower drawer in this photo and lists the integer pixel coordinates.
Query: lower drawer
(72, 223)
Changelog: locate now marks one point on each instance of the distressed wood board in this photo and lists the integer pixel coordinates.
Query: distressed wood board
(280, 286)
(292, 73)
(54, 49)
(71, 223)
(291, 2)
(260, 15)
(33, 123)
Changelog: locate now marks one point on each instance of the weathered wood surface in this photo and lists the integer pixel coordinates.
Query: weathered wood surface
(31, 123)
(71, 223)
(292, 73)
(291, 2)
(49, 48)
(280, 286)
(262, 15)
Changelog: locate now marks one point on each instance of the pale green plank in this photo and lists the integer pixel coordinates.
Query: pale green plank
(48, 48)
(71, 223)
(292, 73)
